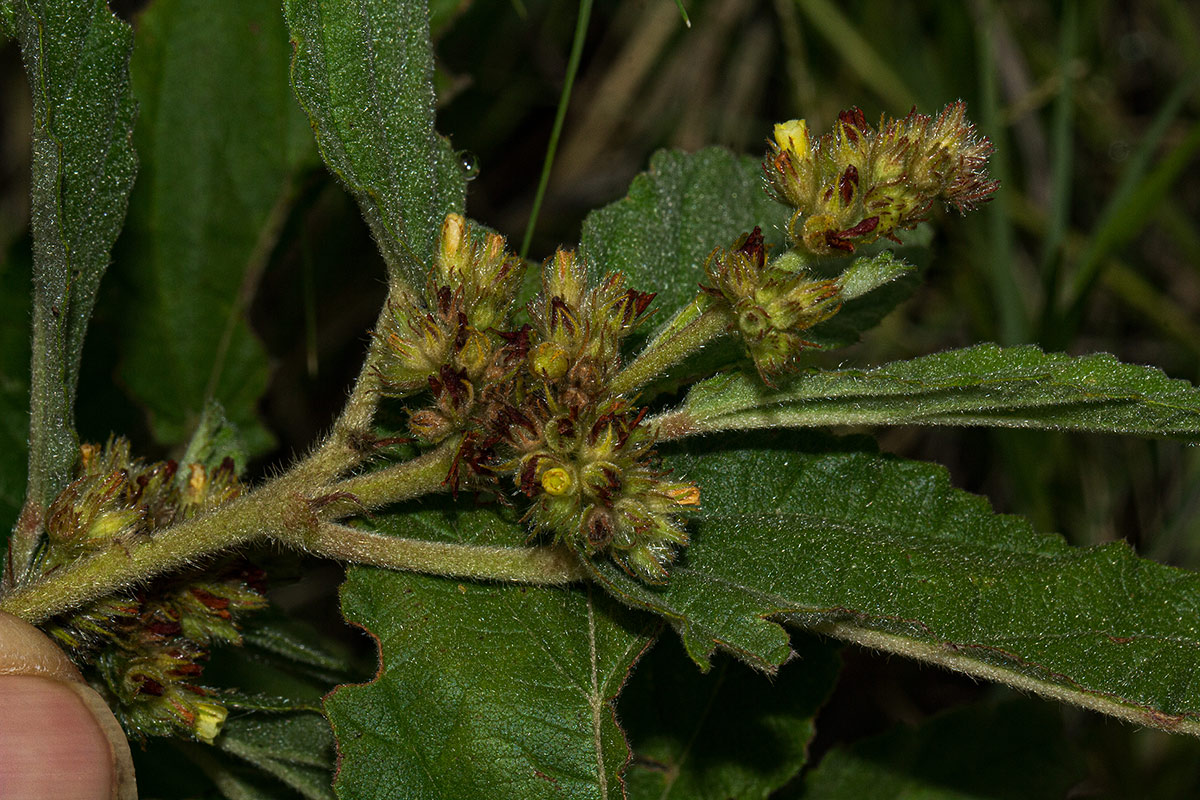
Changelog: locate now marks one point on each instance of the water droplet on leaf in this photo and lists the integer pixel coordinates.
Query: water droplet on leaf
(469, 164)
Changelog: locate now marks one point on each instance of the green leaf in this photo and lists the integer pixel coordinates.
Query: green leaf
(731, 732)
(867, 273)
(1015, 750)
(221, 141)
(885, 553)
(880, 279)
(363, 72)
(214, 440)
(294, 747)
(661, 233)
(76, 56)
(1014, 387)
(483, 690)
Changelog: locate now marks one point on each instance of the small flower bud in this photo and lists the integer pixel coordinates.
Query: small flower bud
(475, 354)
(416, 344)
(475, 265)
(564, 277)
(549, 361)
(209, 719)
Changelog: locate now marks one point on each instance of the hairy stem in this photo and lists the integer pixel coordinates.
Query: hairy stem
(691, 329)
(339, 452)
(674, 425)
(286, 510)
(124, 564)
(424, 474)
(533, 565)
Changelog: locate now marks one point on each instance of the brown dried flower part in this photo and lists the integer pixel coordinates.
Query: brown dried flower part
(858, 183)
(147, 647)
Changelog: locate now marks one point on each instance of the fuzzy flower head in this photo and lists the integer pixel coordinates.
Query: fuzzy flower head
(596, 486)
(146, 647)
(858, 183)
(455, 323)
(771, 304)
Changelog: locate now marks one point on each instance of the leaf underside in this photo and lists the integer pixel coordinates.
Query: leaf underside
(981, 385)
(829, 535)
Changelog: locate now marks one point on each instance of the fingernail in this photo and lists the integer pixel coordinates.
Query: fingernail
(58, 738)
(50, 744)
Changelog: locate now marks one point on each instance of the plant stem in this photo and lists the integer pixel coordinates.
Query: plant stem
(286, 510)
(533, 565)
(689, 331)
(424, 474)
(339, 452)
(124, 564)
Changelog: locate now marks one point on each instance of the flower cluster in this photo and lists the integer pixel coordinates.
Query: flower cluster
(147, 646)
(584, 457)
(856, 184)
(770, 303)
(532, 405)
(450, 334)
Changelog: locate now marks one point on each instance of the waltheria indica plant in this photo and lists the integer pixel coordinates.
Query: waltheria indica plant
(573, 522)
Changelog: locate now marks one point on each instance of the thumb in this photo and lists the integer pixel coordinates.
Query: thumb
(58, 738)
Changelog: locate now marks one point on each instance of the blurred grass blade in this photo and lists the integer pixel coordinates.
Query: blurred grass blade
(76, 56)
(858, 54)
(1011, 325)
(1156, 307)
(1138, 193)
(683, 13)
(1062, 154)
(560, 115)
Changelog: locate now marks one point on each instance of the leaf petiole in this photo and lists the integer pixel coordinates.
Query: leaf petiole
(691, 329)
